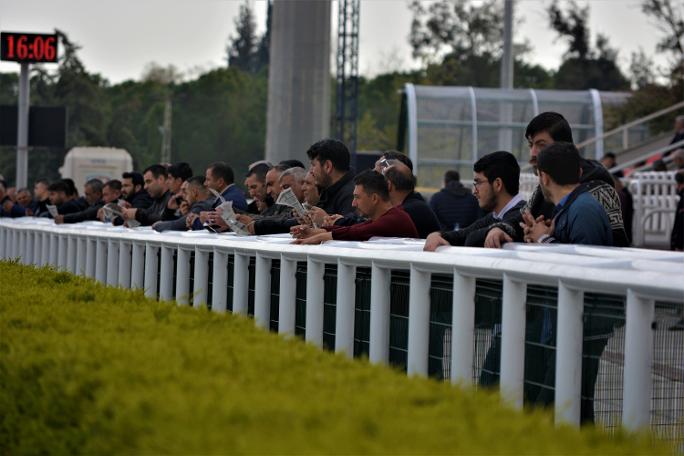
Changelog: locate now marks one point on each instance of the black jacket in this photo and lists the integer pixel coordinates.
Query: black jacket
(89, 213)
(140, 200)
(337, 199)
(677, 238)
(73, 206)
(475, 234)
(599, 183)
(155, 212)
(455, 204)
(421, 214)
(180, 223)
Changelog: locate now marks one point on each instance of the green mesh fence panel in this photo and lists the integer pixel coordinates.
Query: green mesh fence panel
(399, 307)
(300, 299)
(362, 312)
(275, 295)
(329, 305)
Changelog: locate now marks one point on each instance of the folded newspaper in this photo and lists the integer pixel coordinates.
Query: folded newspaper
(228, 216)
(288, 198)
(52, 209)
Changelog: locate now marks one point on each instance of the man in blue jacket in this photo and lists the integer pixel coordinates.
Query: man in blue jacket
(578, 218)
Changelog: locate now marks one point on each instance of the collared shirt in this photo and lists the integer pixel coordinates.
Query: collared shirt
(515, 200)
(561, 203)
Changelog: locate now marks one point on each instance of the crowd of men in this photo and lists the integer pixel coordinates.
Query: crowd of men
(577, 200)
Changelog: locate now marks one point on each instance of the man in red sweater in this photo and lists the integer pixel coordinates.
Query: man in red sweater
(371, 199)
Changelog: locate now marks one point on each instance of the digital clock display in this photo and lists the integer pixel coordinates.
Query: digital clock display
(28, 47)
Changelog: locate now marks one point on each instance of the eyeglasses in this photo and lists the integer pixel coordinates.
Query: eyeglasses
(477, 182)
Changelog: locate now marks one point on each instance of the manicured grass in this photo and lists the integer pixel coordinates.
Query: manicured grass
(89, 369)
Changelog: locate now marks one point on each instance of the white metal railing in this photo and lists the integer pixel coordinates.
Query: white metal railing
(143, 259)
(655, 201)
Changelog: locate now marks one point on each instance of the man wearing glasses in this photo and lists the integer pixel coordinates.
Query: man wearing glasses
(495, 185)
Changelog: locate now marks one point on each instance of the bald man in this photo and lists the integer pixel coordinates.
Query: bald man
(401, 184)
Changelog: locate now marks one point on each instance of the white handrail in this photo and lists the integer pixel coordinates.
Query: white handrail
(642, 276)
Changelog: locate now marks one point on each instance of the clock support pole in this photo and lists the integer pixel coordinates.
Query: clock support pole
(22, 127)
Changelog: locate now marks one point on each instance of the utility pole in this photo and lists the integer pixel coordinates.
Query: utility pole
(165, 130)
(22, 127)
(506, 108)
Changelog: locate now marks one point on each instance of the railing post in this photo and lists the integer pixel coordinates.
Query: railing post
(262, 291)
(183, 277)
(61, 252)
(112, 262)
(638, 382)
(240, 283)
(344, 312)
(462, 329)
(101, 261)
(288, 296)
(138, 265)
(37, 248)
(27, 256)
(71, 254)
(513, 341)
(91, 258)
(53, 257)
(419, 323)
(81, 247)
(569, 355)
(124, 273)
(314, 302)
(219, 279)
(166, 274)
(19, 246)
(378, 351)
(151, 269)
(201, 278)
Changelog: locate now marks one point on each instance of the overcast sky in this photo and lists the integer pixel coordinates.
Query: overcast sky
(119, 38)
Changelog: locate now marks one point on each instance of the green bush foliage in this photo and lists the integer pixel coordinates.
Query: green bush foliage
(96, 370)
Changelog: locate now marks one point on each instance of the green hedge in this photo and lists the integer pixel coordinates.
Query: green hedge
(90, 369)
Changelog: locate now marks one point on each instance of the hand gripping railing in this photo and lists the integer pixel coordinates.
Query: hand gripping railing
(149, 260)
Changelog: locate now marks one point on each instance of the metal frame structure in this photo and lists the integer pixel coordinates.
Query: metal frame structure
(347, 75)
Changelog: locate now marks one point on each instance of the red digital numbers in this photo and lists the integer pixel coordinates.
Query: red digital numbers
(28, 47)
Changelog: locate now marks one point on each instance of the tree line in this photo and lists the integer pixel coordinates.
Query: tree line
(221, 114)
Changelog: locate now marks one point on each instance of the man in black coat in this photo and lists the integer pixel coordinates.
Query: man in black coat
(156, 185)
(454, 205)
(401, 184)
(495, 185)
(330, 161)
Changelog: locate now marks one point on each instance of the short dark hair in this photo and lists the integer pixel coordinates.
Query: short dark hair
(59, 186)
(373, 183)
(452, 176)
(609, 155)
(95, 185)
(43, 181)
(70, 186)
(196, 181)
(552, 123)
(180, 170)
(292, 164)
(114, 184)
(157, 170)
(221, 170)
(259, 170)
(561, 161)
(679, 178)
(396, 155)
(135, 177)
(333, 150)
(502, 165)
(401, 180)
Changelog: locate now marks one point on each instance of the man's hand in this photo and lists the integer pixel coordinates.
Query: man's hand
(305, 231)
(315, 239)
(539, 229)
(123, 204)
(190, 219)
(184, 208)
(129, 214)
(28, 212)
(204, 216)
(100, 214)
(8, 205)
(245, 220)
(496, 238)
(433, 241)
(330, 220)
(59, 219)
(317, 215)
